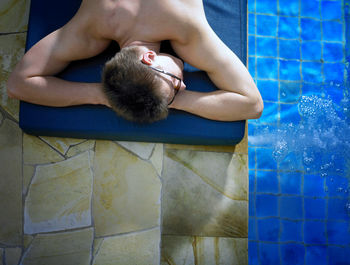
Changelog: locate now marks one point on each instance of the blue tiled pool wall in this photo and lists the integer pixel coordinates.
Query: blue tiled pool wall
(299, 159)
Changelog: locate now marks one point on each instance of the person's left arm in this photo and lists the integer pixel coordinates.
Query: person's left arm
(237, 98)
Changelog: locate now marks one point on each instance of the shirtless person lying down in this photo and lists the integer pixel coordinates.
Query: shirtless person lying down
(139, 82)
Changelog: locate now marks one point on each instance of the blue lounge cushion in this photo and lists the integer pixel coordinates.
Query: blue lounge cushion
(228, 18)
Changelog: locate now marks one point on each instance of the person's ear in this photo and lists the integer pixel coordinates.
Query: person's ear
(148, 57)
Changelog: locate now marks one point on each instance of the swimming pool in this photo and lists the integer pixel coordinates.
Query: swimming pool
(299, 161)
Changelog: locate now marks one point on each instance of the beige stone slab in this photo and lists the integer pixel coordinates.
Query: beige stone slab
(143, 150)
(204, 251)
(14, 15)
(227, 173)
(195, 203)
(126, 191)
(157, 158)
(10, 183)
(61, 144)
(28, 173)
(12, 256)
(35, 151)
(77, 149)
(140, 248)
(70, 248)
(11, 51)
(59, 196)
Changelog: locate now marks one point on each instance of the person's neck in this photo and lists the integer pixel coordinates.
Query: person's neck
(153, 46)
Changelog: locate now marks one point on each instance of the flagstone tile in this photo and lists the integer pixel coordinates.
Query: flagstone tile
(28, 173)
(126, 191)
(59, 196)
(143, 150)
(157, 158)
(69, 248)
(14, 15)
(227, 173)
(82, 147)
(11, 51)
(200, 196)
(10, 183)
(204, 250)
(140, 248)
(61, 144)
(12, 256)
(35, 151)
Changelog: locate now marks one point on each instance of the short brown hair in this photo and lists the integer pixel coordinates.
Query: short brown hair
(132, 88)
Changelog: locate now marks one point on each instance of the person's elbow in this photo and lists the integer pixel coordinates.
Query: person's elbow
(15, 85)
(257, 107)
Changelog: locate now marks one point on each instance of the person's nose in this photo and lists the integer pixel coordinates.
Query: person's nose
(183, 86)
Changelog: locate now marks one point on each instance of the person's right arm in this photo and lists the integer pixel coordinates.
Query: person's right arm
(33, 78)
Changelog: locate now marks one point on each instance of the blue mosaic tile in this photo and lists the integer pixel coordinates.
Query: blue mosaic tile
(268, 254)
(268, 229)
(290, 183)
(314, 185)
(251, 204)
(291, 231)
(289, 49)
(314, 232)
(310, 29)
(266, 25)
(338, 233)
(292, 254)
(288, 7)
(311, 89)
(291, 162)
(336, 95)
(251, 45)
(268, 89)
(331, 10)
(289, 70)
(338, 255)
(311, 50)
(338, 186)
(256, 135)
(310, 8)
(334, 72)
(266, 6)
(316, 255)
(267, 68)
(290, 113)
(333, 52)
(315, 208)
(270, 113)
(290, 92)
(253, 257)
(265, 159)
(252, 229)
(251, 6)
(251, 66)
(266, 205)
(291, 207)
(266, 46)
(288, 28)
(267, 182)
(312, 72)
(251, 180)
(251, 26)
(251, 158)
(332, 31)
(337, 209)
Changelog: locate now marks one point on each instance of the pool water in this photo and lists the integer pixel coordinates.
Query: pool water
(299, 150)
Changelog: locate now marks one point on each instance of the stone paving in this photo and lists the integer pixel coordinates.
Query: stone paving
(76, 201)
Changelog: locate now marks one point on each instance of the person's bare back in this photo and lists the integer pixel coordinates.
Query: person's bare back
(144, 24)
